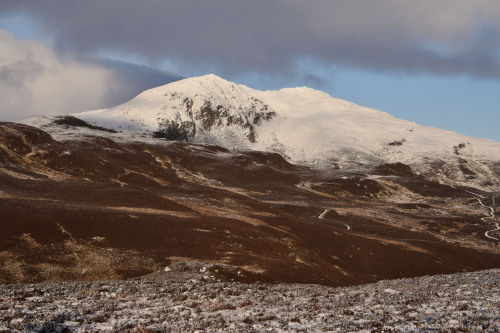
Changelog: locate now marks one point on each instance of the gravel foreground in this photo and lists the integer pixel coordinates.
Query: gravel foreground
(198, 297)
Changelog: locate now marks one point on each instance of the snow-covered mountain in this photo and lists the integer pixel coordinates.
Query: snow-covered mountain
(304, 125)
(203, 109)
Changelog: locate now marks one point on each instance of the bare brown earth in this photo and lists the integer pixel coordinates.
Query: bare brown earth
(96, 209)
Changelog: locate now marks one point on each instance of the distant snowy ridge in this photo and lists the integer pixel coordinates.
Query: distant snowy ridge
(305, 125)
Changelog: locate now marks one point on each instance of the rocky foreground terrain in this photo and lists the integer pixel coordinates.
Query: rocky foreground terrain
(190, 297)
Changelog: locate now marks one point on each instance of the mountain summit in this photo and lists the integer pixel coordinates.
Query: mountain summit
(304, 125)
(201, 109)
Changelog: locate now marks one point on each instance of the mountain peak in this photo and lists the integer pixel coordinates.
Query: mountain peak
(205, 109)
(204, 80)
(209, 86)
(210, 79)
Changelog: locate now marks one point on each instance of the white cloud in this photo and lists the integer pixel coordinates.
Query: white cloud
(37, 79)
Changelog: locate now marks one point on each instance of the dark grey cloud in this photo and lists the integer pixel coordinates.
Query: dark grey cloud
(435, 36)
(37, 79)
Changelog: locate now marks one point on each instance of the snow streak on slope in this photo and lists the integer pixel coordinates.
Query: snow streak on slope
(305, 125)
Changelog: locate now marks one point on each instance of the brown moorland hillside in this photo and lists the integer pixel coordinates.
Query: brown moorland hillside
(94, 208)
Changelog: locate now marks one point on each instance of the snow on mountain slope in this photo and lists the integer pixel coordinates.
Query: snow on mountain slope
(205, 109)
(314, 126)
(305, 125)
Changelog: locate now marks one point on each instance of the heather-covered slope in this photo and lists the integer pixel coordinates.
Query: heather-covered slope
(95, 208)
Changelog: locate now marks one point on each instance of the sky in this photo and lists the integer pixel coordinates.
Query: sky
(435, 62)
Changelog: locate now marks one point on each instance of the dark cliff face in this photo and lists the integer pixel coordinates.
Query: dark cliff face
(98, 209)
(210, 117)
(176, 130)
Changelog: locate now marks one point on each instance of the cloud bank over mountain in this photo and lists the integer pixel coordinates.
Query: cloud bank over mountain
(443, 37)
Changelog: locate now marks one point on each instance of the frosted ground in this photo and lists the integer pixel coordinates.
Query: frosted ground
(199, 297)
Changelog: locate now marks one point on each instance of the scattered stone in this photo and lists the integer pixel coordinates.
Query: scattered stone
(168, 302)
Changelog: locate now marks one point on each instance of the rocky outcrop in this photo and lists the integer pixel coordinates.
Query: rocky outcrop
(70, 121)
(395, 169)
(210, 117)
